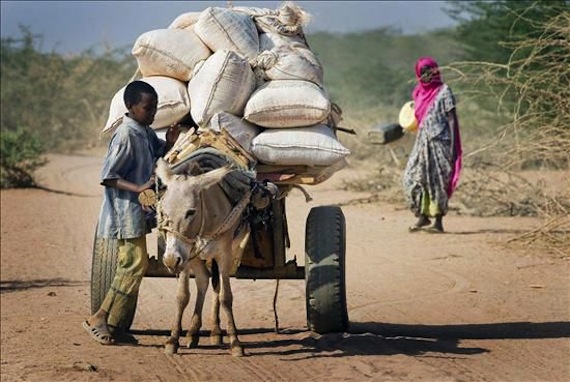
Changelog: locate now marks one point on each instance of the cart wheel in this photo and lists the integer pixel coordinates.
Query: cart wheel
(325, 248)
(103, 266)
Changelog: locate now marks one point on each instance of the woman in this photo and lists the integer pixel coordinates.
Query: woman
(432, 171)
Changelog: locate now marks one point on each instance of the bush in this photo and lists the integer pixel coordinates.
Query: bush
(21, 154)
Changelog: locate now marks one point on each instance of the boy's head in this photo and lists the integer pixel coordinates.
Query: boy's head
(141, 100)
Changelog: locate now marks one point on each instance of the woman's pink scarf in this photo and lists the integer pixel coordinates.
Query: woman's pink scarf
(424, 95)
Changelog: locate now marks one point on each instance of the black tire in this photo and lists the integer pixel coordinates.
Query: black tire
(103, 266)
(325, 247)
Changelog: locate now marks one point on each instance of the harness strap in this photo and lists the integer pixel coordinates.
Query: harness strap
(231, 219)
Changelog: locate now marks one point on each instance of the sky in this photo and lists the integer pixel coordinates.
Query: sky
(75, 26)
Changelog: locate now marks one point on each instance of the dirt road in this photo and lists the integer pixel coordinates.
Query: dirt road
(454, 307)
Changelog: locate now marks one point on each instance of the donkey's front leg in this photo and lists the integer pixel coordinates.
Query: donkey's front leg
(201, 277)
(226, 299)
(182, 298)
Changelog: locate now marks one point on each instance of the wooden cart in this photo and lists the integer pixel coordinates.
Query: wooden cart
(325, 247)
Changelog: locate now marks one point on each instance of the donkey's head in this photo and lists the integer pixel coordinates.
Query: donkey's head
(183, 215)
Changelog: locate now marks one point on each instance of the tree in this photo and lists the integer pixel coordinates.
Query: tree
(487, 29)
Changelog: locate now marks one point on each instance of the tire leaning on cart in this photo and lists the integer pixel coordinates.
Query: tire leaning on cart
(103, 267)
(325, 247)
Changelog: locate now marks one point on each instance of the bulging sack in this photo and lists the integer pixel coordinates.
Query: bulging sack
(223, 82)
(287, 103)
(240, 129)
(169, 52)
(307, 146)
(185, 20)
(290, 62)
(224, 29)
(269, 40)
(173, 103)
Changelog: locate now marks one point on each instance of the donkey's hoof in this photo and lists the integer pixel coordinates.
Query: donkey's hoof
(237, 351)
(216, 339)
(193, 342)
(171, 346)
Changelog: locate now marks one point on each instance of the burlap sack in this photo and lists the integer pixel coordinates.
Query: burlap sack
(169, 52)
(290, 62)
(173, 103)
(223, 82)
(239, 128)
(287, 103)
(307, 146)
(185, 20)
(224, 29)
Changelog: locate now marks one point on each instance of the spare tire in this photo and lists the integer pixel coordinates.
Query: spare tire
(103, 267)
(325, 247)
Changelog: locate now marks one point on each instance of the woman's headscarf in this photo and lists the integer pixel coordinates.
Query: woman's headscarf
(425, 92)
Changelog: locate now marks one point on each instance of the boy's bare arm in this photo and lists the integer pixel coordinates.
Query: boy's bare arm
(123, 184)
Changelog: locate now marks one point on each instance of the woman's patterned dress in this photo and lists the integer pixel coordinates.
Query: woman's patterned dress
(429, 168)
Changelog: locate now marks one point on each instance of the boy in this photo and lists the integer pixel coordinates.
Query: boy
(128, 170)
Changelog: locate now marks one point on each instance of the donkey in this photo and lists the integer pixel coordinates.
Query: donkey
(201, 227)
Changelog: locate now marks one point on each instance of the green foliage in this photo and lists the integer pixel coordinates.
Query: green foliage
(492, 31)
(63, 99)
(20, 154)
(487, 27)
(363, 70)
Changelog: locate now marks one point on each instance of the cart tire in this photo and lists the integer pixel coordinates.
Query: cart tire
(325, 247)
(103, 266)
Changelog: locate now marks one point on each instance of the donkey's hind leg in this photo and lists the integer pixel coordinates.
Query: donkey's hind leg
(226, 301)
(216, 333)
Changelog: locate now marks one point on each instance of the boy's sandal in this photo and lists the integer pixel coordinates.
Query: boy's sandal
(99, 334)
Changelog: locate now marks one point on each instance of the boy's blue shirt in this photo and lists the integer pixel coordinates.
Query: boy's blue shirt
(132, 155)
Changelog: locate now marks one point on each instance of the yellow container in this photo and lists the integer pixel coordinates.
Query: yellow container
(407, 118)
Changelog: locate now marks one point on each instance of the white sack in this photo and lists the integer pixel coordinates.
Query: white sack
(224, 29)
(269, 40)
(185, 20)
(287, 103)
(173, 103)
(169, 52)
(290, 62)
(256, 11)
(308, 146)
(224, 82)
(240, 129)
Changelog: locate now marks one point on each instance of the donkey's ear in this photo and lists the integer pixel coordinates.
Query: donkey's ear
(211, 177)
(163, 171)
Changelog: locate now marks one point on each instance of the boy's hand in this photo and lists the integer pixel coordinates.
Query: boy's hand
(172, 133)
(149, 184)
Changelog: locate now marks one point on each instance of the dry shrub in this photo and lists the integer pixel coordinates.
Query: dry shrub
(534, 88)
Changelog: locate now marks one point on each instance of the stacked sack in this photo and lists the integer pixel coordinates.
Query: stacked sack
(249, 71)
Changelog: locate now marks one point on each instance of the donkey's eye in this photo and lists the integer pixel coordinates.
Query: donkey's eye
(190, 213)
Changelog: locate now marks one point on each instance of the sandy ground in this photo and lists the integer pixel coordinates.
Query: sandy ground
(460, 306)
